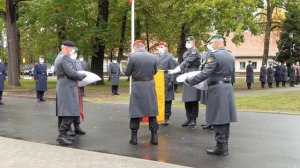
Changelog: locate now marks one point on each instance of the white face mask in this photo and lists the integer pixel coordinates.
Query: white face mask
(209, 47)
(42, 61)
(81, 59)
(188, 45)
(74, 56)
(161, 50)
(114, 61)
(0, 60)
(72, 52)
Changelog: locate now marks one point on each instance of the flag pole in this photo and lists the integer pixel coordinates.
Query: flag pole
(132, 36)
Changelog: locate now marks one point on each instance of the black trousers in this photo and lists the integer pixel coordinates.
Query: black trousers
(192, 109)
(64, 124)
(135, 123)
(292, 83)
(40, 95)
(168, 107)
(1, 93)
(283, 83)
(249, 85)
(262, 84)
(114, 89)
(270, 84)
(277, 83)
(222, 134)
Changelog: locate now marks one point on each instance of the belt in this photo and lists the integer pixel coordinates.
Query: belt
(60, 76)
(142, 79)
(217, 82)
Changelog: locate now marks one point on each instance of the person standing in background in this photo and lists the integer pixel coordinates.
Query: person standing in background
(270, 74)
(114, 73)
(40, 76)
(2, 79)
(249, 75)
(284, 74)
(292, 75)
(263, 75)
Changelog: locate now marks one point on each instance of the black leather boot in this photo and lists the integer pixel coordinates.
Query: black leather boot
(192, 123)
(78, 130)
(70, 133)
(166, 122)
(133, 139)
(154, 140)
(219, 149)
(63, 140)
(186, 123)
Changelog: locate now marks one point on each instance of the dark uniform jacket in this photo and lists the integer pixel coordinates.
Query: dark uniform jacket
(67, 100)
(249, 74)
(263, 74)
(191, 62)
(278, 72)
(284, 74)
(220, 96)
(114, 73)
(292, 74)
(2, 76)
(40, 76)
(270, 73)
(143, 100)
(165, 62)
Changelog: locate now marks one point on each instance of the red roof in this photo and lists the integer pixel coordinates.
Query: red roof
(253, 46)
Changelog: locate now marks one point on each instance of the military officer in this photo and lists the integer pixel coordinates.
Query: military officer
(249, 75)
(143, 100)
(263, 75)
(67, 102)
(2, 79)
(114, 73)
(40, 76)
(292, 75)
(221, 109)
(284, 74)
(190, 95)
(165, 62)
(270, 74)
(278, 76)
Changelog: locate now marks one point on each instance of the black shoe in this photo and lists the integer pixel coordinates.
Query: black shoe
(63, 140)
(166, 122)
(133, 139)
(117, 94)
(217, 151)
(70, 133)
(71, 138)
(186, 123)
(79, 132)
(154, 140)
(193, 123)
(43, 100)
(208, 126)
(1, 103)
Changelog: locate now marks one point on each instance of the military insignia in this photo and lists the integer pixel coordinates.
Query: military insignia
(194, 52)
(209, 59)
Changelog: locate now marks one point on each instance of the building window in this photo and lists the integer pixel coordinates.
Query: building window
(242, 65)
(254, 65)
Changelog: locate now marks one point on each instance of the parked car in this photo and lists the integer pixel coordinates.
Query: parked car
(50, 71)
(26, 71)
(31, 72)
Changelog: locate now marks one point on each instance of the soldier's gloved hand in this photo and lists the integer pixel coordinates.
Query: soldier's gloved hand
(174, 71)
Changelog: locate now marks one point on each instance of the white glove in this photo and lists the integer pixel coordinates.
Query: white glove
(174, 71)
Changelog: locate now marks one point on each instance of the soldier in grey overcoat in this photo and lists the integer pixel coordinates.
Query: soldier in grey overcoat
(40, 76)
(278, 76)
(143, 100)
(85, 67)
(165, 62)
(2, 79)
(114, 73)
(263, 76)
(190, 95)
(67, 102)
(292, 75)
(249, 75)
(284, 74)
(270, 74)
(220, 104)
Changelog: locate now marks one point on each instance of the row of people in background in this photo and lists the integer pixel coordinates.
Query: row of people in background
(269, 75)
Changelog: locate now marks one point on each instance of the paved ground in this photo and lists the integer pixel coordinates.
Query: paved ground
(257, 140)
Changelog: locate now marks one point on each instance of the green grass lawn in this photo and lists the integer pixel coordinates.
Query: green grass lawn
(276, 102)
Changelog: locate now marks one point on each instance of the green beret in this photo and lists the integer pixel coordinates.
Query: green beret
(216, 36)
(69, 43)
(189, 38)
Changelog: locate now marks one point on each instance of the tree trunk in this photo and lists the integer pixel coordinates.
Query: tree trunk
(13, 65)
(270, 9)
(181, 46)
(99, 46)
(122, 38)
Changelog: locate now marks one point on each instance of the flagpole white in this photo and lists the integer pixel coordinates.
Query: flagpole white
(132, 36)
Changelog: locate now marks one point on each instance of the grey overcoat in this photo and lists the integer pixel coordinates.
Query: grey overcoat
(67, 100)
(220, 105)
(284, 74)
(2, 76)
(270, 74)
(114, 73)
(249, 74)
(263, 74)
(143, 101)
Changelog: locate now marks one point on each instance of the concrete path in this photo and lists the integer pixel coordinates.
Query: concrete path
(260, 140)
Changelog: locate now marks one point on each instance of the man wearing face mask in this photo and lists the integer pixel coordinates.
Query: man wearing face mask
(67, 101)
(220, 105)
(190, 95)
(40, 76)
(2, 79)
(165, 62)
(114, 73)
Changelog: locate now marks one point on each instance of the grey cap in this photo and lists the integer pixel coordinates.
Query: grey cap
(69, 43)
